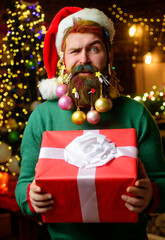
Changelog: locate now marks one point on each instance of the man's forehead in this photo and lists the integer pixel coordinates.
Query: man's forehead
(80, 39)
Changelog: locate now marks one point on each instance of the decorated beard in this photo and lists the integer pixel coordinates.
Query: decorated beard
(87, 87)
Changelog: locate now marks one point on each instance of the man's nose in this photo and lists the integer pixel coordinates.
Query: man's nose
(84, 58)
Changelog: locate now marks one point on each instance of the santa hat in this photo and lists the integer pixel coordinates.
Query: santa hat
(54, 38)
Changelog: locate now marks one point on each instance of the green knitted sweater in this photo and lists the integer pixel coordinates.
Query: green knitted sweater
(126, 113)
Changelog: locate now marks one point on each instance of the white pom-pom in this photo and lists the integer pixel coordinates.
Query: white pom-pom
(47, 88)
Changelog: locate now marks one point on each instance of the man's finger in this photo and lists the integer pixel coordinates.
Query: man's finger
(142, 183)
(43, 203)
(139, 192)
(133, 208)
(40, 197)
(34, 187)
(42, 210)
(133, 201)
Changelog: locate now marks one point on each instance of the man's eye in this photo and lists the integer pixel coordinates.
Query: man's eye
(94, 49)
(74, 51)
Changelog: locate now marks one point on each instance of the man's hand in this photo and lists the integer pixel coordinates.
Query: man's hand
(39, 201)
(142, 190)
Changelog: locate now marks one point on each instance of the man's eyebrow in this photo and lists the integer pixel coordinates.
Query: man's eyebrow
(73, 49)
(90, 44)
(95, 42)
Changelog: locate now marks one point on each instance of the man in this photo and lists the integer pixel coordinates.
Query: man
(85, 36)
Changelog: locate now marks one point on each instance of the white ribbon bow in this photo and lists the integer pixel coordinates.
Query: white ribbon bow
(90, 150)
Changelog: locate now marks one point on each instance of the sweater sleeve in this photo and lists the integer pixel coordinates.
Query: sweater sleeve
(151, 154)
(30, 148)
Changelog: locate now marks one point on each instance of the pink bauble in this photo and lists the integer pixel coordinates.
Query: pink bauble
(65, 103)
(61, 90)
(93, 117)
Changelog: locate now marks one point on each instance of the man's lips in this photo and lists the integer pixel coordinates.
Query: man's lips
(84, 73)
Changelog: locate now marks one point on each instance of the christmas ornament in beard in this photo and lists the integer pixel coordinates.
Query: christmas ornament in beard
(83, 84)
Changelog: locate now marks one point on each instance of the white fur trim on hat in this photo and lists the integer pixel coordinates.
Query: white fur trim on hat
(91, 14)
(47, 88)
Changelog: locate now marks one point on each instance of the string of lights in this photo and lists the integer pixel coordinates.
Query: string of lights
(139, 26)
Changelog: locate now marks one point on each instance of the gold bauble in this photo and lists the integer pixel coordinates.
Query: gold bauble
(78, 117)
(103, 104)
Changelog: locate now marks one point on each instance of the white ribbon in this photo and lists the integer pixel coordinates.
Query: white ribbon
(59, 153)
(86, 175)
(51, 153)
(87, 194)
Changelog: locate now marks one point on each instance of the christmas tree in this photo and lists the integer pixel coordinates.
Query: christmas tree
(21, 69)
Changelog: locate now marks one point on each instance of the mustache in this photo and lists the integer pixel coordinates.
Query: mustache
(84, 68)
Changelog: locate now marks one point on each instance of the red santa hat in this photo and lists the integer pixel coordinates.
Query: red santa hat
(54, 37)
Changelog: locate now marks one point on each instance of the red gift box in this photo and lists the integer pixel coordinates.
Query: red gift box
(87, 194)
